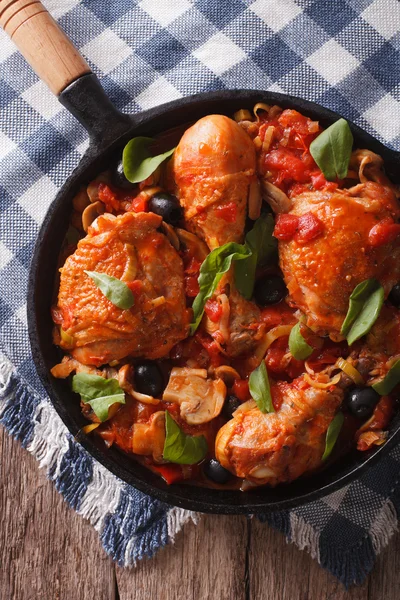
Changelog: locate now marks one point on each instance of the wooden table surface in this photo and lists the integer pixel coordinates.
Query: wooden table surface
(48, 552)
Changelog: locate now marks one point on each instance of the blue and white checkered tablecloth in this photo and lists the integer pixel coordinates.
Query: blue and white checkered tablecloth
(344, 54)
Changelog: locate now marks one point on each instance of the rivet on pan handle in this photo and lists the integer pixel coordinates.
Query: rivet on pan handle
(47, 49)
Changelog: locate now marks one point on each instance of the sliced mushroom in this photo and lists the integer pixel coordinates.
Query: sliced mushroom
(227, 374)
(170, 234)
(255, 199)
(149, 191)
(260, 107)
(81, 200)
(242, 115)
(148, 438)
(91, 212)
(92, 189)
(68, 365)
(277, 199)
(197, 247)
(250, 127)
(360, 159)
(125, 377)
(274, 111)
(200, 399)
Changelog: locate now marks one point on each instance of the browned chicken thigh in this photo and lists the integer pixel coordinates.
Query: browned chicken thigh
(130, 248)
(321, 274)
(213, 167)
(278, 447)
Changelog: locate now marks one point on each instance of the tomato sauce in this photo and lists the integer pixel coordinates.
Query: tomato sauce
(287, 162)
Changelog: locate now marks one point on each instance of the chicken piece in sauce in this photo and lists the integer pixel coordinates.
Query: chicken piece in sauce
(130, 248)
(338, 250)
(213, 167)
(235, 328)
(278, 447)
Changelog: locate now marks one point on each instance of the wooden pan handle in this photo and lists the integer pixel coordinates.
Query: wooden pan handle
(47, 49)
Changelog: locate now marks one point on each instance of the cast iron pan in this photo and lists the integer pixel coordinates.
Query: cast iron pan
(58, 63)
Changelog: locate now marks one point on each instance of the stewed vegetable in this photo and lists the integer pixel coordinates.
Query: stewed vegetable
(118, 177)
(216, 472)
(269, 290)
(362, 401)
(149, 378)
(167, 206)
(394, 295)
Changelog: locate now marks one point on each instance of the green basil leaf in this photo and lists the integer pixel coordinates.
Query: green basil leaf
(359, 295)
(137, 160)
(114, 289)
(389, 382)
(99, 392)
(214, 266)
(181, 448)
(298, 346)
(332, 434)
(262, 245)
(367, 316)
(331, 150)
(260, 390)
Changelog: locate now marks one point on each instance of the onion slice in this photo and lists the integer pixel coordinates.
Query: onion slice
(89, 428)
(318, 384)
(270, 337)
(351, 371)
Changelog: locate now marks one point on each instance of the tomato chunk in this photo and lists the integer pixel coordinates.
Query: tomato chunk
(213, 310)
(135, 286)
(286, 226)
(170, 473)
(139, 204)
(191, 278)
(303, 229)
(227, 212)
(287, 164)
(384, 232)
(309, 228)
(191, 286)
(274, 360)
(107, 196)
(241, 389)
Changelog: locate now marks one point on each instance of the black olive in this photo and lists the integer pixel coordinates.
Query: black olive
(118, 178)
(216, 472)
(362, 401)
(394, 295)
(269, 290)
(230, 405)
(149, 378)
(167, 206)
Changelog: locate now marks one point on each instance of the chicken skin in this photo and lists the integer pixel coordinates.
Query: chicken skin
(130, 248)
(278, 447)
(213, 167)
(321, 274)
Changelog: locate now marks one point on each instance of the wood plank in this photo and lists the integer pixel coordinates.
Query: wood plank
(207, 562)
(46, 549)
(385, 579)
(282, 571)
